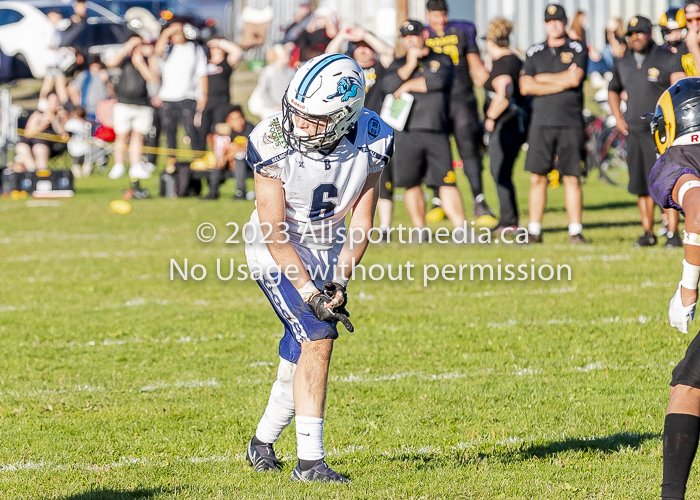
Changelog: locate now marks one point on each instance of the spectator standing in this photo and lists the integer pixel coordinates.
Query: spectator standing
(313, 41)
(223, 57)
(78, 145)
(302, 18)
(458, 40)
(615, 47)
(266, 98)
(692, 37)
(423, 147)
(577, 31)
(553, 73)
(55, 78)
(645, 72)
(505, 112)
(79, 15)
(89, 87)
(184, 85)
(373, 56)
(672, 25)
(133, 114)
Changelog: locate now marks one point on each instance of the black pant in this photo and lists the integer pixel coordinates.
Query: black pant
(504, 146)
(189, 181)
(466, 128)
(152, 140)
(213, 114)
(174, 113)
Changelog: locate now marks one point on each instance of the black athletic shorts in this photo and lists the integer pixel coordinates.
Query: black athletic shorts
(386, 185)
(422, 155)
(55, 148)
(546, 143)
(641, 156)
(676, 161)
(687, 371)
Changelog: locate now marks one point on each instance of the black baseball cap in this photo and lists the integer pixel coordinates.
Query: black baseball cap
(411, 27)
(554, 12)
(639, 24)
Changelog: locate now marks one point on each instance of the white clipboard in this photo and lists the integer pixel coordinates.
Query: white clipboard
(395, 111)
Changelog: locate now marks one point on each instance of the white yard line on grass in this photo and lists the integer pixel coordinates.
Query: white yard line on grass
(155, 386)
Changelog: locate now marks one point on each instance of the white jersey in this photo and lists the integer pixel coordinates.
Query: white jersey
(320, 189)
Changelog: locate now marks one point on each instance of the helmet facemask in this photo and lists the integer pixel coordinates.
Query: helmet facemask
(305, 132)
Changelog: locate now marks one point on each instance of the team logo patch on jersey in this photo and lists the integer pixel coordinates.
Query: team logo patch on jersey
(347, 88)
(450, 178)
(373, 128)
(275, 134)
(653, 75)
(434, 66)
(566, 57)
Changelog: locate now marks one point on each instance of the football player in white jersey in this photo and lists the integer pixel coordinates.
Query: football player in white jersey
(316, 161)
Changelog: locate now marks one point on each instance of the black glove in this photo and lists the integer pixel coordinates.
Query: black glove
(331, 288)
(317, 305)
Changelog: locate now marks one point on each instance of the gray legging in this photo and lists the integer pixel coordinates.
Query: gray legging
(504, 146)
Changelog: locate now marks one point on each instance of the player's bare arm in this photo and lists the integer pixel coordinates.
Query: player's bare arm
(271, 210)
(361, 222)
(412, 56)
(477, 69)
(413, 85)
(691, 206)
(614, 100)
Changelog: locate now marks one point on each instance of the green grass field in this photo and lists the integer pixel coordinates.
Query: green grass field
(118, 383)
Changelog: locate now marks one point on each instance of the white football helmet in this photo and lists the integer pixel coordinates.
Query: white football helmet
(322, 103)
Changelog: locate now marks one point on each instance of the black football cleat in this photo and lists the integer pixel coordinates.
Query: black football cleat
(577, 239)
(262, 458)
(648, 239)
(319, 473)
(534, 238)
(673, 241)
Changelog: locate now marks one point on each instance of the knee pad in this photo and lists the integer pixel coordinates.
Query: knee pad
(685, 188)
(691, 239)
(283, 388)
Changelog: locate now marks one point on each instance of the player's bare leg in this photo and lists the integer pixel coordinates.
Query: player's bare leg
(451, 198)
(415, 206)
(672, 216)
(573, 199)
(646, 210)
(537, 202)
(385, 209)
(311, 379)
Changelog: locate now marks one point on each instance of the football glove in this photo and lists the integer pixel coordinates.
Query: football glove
(318, 307)
(336, 292)
(680, 316)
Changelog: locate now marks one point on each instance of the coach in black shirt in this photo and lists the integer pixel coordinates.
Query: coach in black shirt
(645, 72)
(553, 73)
(423, 147)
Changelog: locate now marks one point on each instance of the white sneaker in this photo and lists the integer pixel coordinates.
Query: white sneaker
(138, 172)
(117, 171)
(150, 167)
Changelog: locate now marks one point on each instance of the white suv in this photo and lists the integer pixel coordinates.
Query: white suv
(26, 33)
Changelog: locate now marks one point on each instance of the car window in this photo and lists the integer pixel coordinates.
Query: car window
(9, 16)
